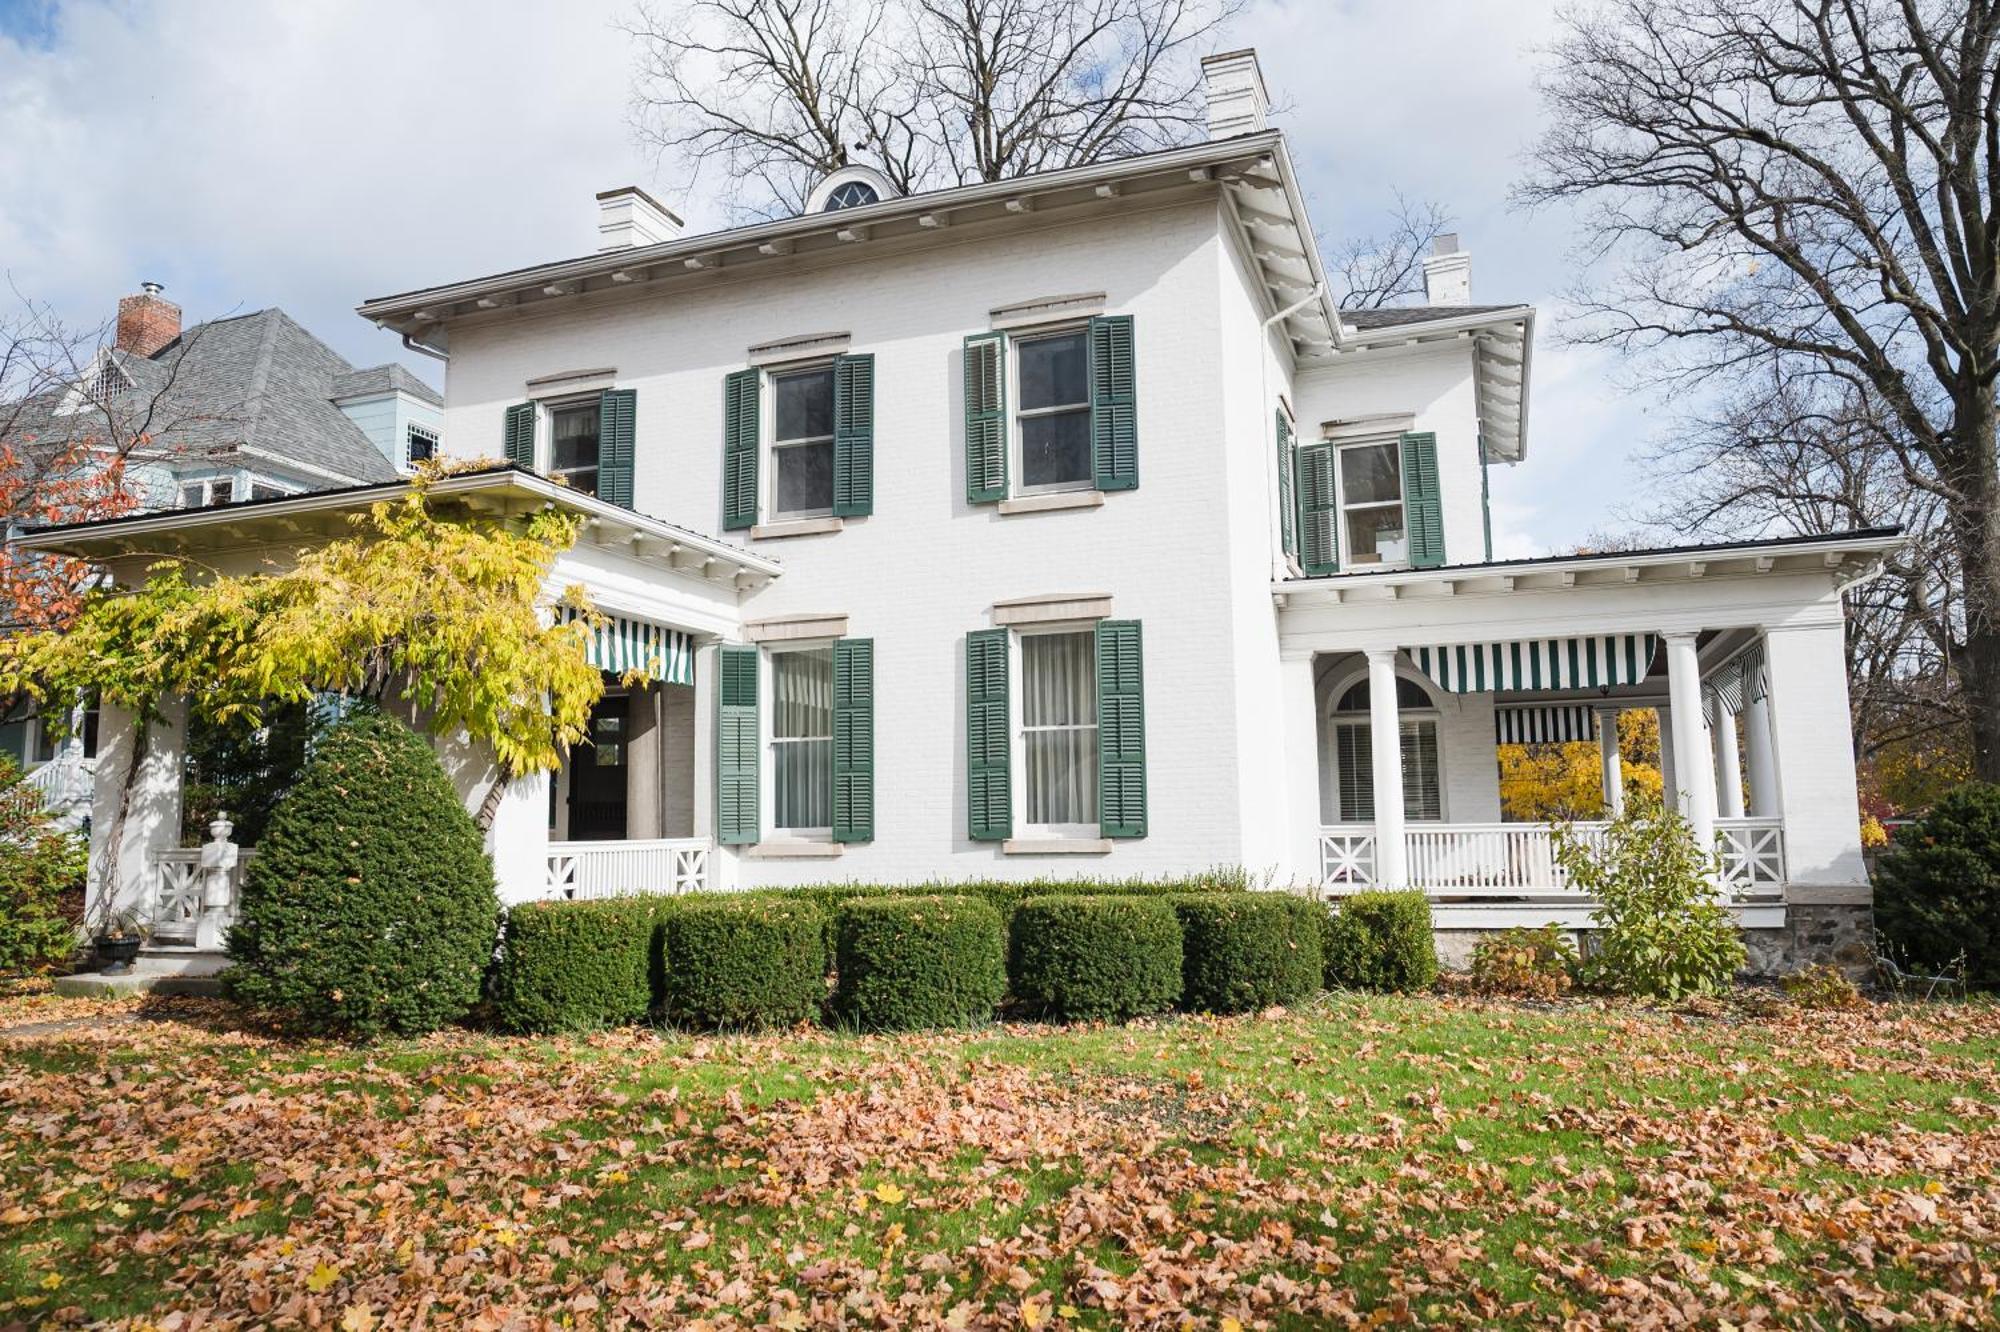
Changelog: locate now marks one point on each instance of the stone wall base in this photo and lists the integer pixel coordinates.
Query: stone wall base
(1837, 934)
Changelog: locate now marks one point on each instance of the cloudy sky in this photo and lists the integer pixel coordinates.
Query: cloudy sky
(310, 154)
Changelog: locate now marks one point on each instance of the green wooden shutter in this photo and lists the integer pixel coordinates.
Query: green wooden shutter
(854, 436)
(519, 438)
(988, 739)
(742, 423)
(985, 418)
(1423, 509)
(1114, 404)
(1121, 730)
(854, 740)
(736, 815)
(1287, 501)
(617, 421)
(1319, 509)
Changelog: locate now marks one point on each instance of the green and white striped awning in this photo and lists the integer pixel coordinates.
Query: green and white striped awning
(1595, 662)
(1736, 683)
(620, 645)
(1544, 724)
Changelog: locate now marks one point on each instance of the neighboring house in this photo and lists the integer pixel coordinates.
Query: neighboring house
(1067, 527)
(250, 407)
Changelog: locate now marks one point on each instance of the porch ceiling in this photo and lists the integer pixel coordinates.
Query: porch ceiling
(294, 521)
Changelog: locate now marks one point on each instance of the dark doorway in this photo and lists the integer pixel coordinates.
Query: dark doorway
(597, 775)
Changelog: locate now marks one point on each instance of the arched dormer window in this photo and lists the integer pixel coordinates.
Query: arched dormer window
(1349, 745)
(850, 187)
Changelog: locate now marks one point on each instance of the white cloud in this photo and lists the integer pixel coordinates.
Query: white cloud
(309, 156)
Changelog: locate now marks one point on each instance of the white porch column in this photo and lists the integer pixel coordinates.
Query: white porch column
(145, 824)
(519, 839)
(1385, 747)
(1669, 789)
(1728, 770)
(1762, 763)
(1692, 767)
(1298, 715)
(1613, 768)
(1807, 671)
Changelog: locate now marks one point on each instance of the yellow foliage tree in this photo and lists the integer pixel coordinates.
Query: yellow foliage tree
(1565, 781)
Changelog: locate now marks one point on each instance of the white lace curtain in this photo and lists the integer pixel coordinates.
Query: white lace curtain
(1059, 726)
(802, 737)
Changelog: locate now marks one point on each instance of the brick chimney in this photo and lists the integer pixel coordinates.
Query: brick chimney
(1233, 88)
(1447, 272)
(146, 322)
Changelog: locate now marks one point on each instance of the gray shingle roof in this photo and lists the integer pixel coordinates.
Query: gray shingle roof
(378, 379)
(1392, 316)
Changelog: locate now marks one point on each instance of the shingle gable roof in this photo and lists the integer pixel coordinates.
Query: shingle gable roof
(379, 379)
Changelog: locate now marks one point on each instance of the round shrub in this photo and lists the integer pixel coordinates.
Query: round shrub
(575, 966)
(749, 961)
(1245, 951)
(370, 908)
(1937, 889)
(909, 962)
(1381, 941)
(1096, 957)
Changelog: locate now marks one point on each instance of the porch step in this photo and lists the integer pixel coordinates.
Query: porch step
(169, 960)
(159, 969)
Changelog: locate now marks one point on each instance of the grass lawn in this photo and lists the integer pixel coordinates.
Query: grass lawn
(1375, 1160)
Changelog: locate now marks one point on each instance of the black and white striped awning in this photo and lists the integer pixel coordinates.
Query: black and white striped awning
(1595, 662)
(1544, 724)
(1736, 683)
(619, 645)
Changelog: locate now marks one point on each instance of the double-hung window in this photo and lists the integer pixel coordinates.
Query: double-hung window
(802, 741)
(1052, 412)
(1059, 732)
(1371, 483)
(1351, 741)
(802, 443)
(573, 444)
(207, 494)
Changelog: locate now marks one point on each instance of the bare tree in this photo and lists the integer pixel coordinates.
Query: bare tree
(1807, 190)
(1379, 270)
(776, 93)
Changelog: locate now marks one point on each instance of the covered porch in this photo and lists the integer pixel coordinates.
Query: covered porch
(1401, 689)
(629, 810)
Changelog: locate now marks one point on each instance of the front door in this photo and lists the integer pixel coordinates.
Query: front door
(597, 775)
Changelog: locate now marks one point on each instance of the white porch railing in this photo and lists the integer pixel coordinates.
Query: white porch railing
(606, 869)
(1501, 861)
(63, 780)
(174, 901)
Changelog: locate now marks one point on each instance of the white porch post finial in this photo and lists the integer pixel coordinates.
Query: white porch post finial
(1385, 743)
(1692, 766)
(1608, 758)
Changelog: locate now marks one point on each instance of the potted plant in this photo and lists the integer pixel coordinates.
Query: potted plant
(118, 943)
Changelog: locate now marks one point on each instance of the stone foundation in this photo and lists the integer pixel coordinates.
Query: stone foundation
(1840, 934)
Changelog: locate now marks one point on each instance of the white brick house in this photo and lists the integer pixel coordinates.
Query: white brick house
(1063, 526)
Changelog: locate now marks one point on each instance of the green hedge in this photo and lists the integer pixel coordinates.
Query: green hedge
(574, 966)
(747, 960)
(1381, 941)
(1245, 951)
(909, 962)
(1117, 957)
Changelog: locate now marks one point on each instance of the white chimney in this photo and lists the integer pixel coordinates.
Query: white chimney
(629, 217)
(1237, 102)
(1447, 272)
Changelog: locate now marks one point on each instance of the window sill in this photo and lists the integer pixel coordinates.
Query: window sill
(796, 527)
(1056, 846)
(795, 850)
(1061, 499)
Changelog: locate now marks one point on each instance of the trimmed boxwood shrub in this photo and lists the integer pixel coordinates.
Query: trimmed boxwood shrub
(749, 960)
(370, 907)
(1937, 889)
(909, 962)
(1245, 951)
(574, 966)
(1381, 941)
(1076, 956)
